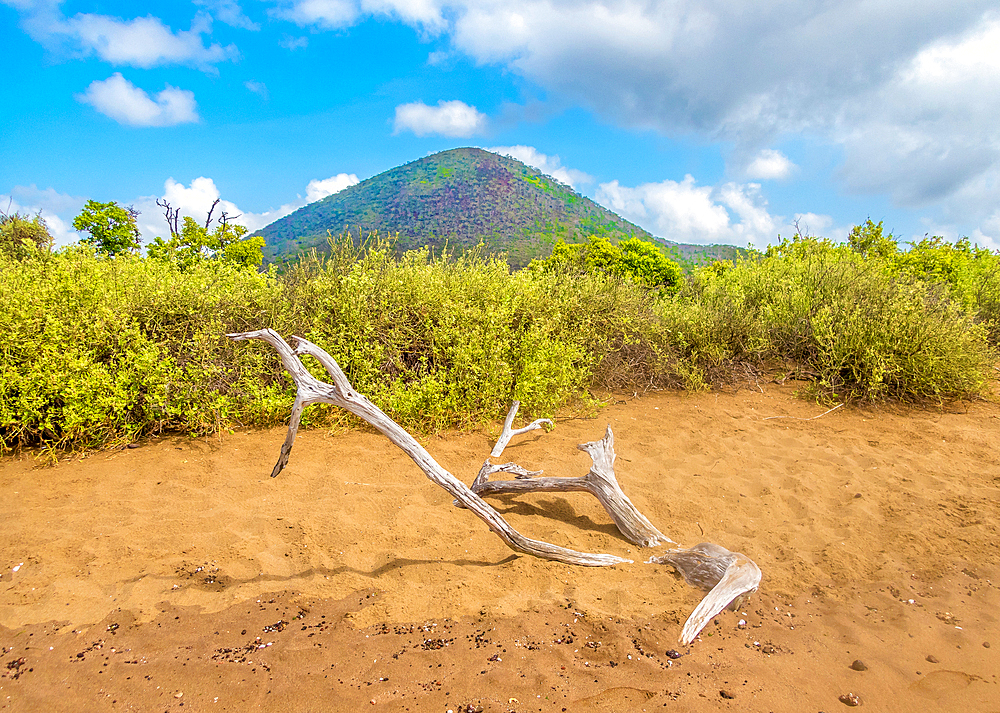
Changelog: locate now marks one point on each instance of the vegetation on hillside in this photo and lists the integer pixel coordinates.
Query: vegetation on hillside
(99, 349)
(455, 198)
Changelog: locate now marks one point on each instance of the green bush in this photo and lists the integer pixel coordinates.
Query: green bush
(21, 236)
(859, 325)
(632, 259)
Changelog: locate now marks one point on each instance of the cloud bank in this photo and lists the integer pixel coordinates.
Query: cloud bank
(909, 92)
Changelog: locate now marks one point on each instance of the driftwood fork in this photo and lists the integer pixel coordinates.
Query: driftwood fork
(728, 575)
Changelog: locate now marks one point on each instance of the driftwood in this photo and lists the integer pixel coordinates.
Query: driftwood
(310, 390)
(599, 482)
(728, 575)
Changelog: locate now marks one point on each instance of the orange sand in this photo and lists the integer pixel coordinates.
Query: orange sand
(876, 531)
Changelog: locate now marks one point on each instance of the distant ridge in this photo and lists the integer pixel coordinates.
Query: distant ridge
(460, 197)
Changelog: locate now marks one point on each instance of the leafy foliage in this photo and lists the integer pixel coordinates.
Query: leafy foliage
(195, 244)
(632, 259)
(21, 236)
(95, 352)
(112, 228)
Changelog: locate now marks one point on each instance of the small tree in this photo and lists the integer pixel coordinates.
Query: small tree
(112, 228)
(19, 236)
(867, 239)
(195, 243)
(631, 259)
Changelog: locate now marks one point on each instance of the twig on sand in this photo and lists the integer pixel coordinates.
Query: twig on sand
(796, 418)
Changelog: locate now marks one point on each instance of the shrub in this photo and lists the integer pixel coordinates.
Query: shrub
(21, 236)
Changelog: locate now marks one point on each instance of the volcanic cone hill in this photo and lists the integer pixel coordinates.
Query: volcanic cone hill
(460, 198)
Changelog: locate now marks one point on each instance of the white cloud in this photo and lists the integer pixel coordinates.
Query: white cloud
(229, 12)
(769, 164)
(258, 88)
(550, 165)
(319, 189)
(141, 42)
(426, 14)
(449, 118)
(126, 103)
(686, 213)
(930, 133)
(196, 200)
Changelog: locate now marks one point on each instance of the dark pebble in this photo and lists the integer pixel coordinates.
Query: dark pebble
(857, 495)
(132, 445)
(859, 665)
(986, 644)
(931, 658)
(677, 654)
(727, 694)
(767, 649)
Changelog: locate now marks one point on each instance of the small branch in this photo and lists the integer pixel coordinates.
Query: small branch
(208, 220)
(507, 433)
(812, 418)
(600, 482)
(172, 215)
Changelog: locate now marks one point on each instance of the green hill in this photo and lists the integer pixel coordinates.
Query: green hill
(459, 198)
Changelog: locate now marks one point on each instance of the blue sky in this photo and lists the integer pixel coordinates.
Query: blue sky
(702, 121)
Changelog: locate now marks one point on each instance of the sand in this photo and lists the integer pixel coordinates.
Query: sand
(178, 576)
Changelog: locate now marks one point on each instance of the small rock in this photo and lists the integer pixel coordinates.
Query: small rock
(849, 699)
(986, 644)
(931, 658)
(179, 694)
(742, 624)
(767, 649)
(859, 665)
(727, 694)
(674, 654)
(857, 495)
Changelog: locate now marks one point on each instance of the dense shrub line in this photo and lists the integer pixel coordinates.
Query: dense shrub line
(97, 351)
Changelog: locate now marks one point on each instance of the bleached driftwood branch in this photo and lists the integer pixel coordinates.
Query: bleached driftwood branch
(508, 433)
(600, 482)
(310, 390)
(728, 575)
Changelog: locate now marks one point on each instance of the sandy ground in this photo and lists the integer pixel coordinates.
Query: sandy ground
(178, 576)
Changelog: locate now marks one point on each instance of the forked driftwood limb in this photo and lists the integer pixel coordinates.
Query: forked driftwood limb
(310, 390)
(728, 575)
(600, 482)
(509, 433)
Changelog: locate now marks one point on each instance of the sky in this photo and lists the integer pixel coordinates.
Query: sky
(703, 121)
